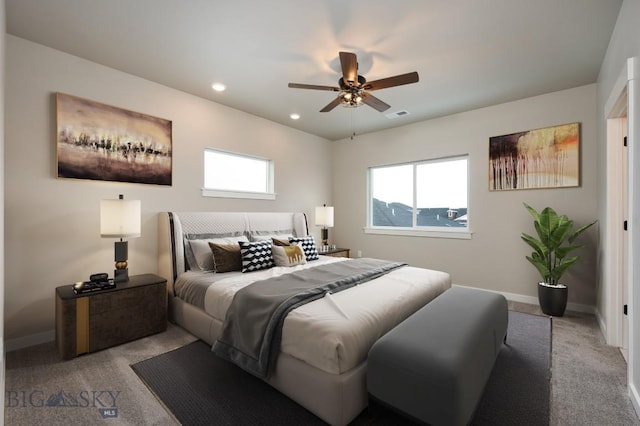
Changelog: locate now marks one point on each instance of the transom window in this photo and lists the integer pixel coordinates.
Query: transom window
(428, 198)
(232, 175)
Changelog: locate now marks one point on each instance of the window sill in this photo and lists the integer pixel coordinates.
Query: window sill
(405, 232)
(238, 194)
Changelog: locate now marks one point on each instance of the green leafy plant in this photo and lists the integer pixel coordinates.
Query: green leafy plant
(554, 243)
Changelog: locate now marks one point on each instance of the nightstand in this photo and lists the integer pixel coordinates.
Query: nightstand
(93, 321)
(336, 252)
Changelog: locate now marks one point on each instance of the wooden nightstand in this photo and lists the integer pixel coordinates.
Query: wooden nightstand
(93, 321)
(336, 252)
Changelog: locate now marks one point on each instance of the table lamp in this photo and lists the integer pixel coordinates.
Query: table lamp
(120, 219)
(324, 218)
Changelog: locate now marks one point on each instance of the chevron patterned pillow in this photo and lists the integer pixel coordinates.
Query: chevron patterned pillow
(256, 255)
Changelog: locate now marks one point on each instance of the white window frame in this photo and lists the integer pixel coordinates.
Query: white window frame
(417, 231)
(268, 194)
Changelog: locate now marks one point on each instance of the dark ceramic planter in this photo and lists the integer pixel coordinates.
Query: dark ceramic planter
(553, 300)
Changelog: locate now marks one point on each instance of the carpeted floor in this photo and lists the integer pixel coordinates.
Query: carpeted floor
(588, 383)
(201, 389)
(104, 388)
(518, 389)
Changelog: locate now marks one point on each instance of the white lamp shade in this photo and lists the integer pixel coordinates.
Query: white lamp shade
(119, 218)
(324, 216)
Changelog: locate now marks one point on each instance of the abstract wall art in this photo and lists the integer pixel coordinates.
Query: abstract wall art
(540, 158)
(102, 142)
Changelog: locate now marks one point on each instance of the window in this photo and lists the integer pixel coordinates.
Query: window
(426, 198)
(231, 175)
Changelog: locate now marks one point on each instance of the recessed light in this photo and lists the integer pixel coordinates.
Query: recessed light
(294, 116)
(218, 87)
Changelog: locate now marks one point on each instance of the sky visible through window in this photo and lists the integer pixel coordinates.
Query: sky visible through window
(440, 184)
(232, 172)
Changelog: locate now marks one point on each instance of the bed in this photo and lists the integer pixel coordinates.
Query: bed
(321, 362)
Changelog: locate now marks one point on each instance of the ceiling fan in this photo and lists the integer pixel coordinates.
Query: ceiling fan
(354, 89)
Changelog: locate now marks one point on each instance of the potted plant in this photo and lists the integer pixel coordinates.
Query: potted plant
(551, 256)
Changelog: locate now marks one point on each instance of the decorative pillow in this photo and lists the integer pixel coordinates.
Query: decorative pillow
(308, 245)
(256, 255)
(202, 252)
(288, 255)
(280, 242)
(226, 257)
(188, 251)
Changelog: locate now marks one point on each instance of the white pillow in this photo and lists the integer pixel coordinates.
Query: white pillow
(288, 255)
(202, 252)
(265, 237)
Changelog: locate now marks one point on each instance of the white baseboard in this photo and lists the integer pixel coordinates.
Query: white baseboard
(577, 307)
(30, 340)
(635, 398)
(603, 328)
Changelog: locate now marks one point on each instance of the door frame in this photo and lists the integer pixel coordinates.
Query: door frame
(613, 253)
(628, 84)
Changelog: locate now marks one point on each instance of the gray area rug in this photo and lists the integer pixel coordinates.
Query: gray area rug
(200, 389)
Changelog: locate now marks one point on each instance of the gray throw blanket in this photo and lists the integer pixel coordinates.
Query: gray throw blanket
(252, 329)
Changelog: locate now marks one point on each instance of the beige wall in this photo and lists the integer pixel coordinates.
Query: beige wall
(495, 256)
(52, 235)
(52, 225)
(624, 44)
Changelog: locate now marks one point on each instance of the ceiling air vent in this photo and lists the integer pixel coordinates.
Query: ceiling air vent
(397, 114)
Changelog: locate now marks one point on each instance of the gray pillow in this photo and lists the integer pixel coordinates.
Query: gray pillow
(199, 254)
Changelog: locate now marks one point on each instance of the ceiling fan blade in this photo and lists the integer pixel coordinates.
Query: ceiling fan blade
(374, 102)
(334, 103)
(349, 63)
(313, 86)
(397, 80)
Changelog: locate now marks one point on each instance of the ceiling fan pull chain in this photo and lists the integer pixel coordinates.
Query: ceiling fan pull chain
(353, 127)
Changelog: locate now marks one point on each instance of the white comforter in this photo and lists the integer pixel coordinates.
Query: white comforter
(335, 333)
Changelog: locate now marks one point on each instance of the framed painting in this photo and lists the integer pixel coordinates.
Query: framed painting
(540, 158)
(102, 142)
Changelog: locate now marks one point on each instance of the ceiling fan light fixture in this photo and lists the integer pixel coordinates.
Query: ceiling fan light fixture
(351, 98)
(353, 89)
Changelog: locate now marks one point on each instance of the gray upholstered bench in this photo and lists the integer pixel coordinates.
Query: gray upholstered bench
(434, 365)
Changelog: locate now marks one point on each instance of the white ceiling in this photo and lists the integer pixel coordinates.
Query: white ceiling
(468, 53)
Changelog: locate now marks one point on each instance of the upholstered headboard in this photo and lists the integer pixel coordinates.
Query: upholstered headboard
(173, 227)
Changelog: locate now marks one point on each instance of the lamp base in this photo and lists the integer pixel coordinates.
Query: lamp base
(120, 275)
(325, 236)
